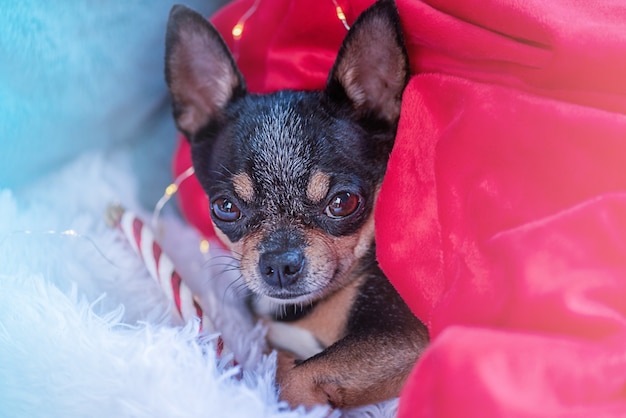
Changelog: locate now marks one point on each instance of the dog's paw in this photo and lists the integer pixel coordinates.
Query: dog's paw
(299, 387)
(285, 362)
(297, 391)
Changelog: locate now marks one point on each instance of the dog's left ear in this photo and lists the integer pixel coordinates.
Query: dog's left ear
(372, 68)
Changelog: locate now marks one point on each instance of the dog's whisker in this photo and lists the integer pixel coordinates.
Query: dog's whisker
(238, 254)
(228, 267)
(225, 265)
(210, 263)
(228, 256)
(237, 288)
(227, 169)
(228, 270)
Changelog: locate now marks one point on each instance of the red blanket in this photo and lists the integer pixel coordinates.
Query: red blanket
(502, 220)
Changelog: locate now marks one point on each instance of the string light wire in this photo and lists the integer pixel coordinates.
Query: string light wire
(237, 30)
(170, 191)
(341, 15)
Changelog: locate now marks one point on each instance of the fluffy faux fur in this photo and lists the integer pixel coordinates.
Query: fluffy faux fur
(84, 331)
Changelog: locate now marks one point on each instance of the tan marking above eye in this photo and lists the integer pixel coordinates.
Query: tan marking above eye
(319, 184)
(244, 187)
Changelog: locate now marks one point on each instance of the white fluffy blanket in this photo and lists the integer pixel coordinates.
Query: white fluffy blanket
(84, 330)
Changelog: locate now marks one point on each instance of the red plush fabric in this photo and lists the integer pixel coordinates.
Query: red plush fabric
(502, 219)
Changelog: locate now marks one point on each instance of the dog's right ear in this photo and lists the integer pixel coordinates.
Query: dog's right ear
(199, 70)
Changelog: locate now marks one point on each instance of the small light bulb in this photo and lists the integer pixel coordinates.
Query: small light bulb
(237, 30)
(340, 14)
(171, 189)
(204, 246)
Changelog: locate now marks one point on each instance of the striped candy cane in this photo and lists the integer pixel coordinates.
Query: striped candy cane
(160, 267)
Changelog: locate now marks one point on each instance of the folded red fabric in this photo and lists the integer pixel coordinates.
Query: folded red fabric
(502, 219)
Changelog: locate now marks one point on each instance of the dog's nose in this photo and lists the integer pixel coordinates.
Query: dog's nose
(281, 268)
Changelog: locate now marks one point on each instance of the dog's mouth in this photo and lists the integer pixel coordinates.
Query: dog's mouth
(291, 298)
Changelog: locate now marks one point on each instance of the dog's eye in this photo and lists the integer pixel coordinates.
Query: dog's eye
(225, 210)
(342, 205)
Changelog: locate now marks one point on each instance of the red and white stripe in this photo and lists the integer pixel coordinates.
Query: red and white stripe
(161, 268)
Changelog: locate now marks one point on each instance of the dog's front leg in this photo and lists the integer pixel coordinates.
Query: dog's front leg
(357, 370)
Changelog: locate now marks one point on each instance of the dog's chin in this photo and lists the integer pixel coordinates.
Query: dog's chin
(296, 295)
(290, 299)
(291, 296)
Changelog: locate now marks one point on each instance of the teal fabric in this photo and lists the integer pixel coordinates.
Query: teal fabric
(83, 75)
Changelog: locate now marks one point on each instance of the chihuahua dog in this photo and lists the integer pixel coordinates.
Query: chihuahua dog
(292, 178)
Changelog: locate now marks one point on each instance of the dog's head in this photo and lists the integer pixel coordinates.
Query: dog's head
(292, 176)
